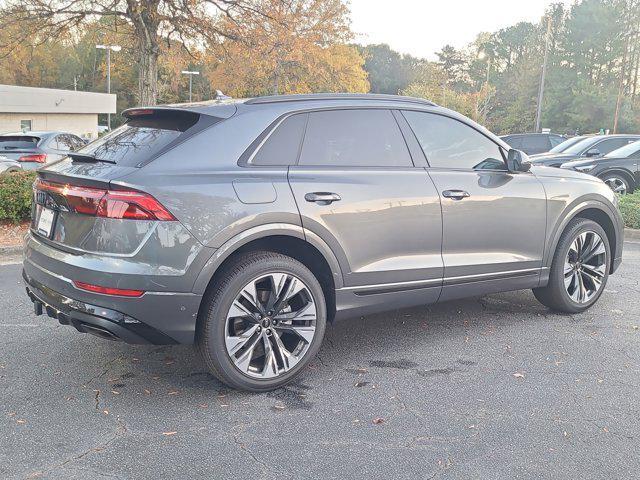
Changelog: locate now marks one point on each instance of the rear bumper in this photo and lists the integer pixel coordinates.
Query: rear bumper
(87, 318)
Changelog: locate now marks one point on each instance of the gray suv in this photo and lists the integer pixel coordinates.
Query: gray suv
(244, 227)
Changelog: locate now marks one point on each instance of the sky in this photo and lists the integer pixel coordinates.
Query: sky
(423, 27)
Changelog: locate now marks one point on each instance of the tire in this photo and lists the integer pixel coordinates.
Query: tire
(556, 294)
(617, 182)
(229, 320)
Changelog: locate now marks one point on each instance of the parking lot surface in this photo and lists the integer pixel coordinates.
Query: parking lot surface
(491, 387)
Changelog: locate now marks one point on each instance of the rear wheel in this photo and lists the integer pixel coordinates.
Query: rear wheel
(264, 321)
(579, 270)
(618, 183)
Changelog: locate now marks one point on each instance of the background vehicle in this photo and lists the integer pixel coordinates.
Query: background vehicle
(532, 143)
(618, 169)
(244, 227)
(7, 165)
(35, 149)
(569, 142)
(591, 147)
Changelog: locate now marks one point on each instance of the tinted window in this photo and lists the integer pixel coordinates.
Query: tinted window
(630, 150)
(62, 142)
(561, 147)
(448, 143)
(610, 145)
(364, 138)
(514, 142)
(556, 140)
(539, 143)
(141, 138)
(283, 145)
(17, 142)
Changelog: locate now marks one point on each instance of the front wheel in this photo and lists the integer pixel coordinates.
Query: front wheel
(263, 322)
(579, 270)
(618, 183)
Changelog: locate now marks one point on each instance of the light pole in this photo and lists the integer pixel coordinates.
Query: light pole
(191, 74)
(109, 48)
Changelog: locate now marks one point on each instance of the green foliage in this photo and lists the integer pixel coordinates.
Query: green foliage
(15, 195)
(389, 71)
(630, 208)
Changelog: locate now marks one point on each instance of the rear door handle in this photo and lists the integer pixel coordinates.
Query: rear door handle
(322, 198)
(455, 194)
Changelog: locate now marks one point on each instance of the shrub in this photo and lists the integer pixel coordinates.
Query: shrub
(15, 195)
(630, 209)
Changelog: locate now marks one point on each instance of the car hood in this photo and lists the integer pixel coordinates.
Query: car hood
(542, 171)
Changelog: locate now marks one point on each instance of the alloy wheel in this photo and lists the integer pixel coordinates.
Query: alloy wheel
(617, 184)
(585, 267)
(270, 325)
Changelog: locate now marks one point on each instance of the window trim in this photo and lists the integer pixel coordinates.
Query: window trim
(252, 150)
(457, 169)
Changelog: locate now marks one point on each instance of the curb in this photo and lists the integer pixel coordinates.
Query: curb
(11, 250)
(632, 234)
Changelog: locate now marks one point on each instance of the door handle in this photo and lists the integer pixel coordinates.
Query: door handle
(322, 198)
(455, 194)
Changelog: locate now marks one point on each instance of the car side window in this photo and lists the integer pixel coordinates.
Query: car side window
(62, 143)
(555, 141)
(514, 142)
(610, 145)
(282, 146)
(358, 138)
(449, 143)
(536, 142)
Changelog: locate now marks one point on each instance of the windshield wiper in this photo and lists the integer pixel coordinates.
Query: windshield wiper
(87, 157)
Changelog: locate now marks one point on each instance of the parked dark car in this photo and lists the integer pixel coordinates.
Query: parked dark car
(532, 143)
(8, 166)
(35, 149)
(568, 143)
(591, 147)
(245, 227)
(618, 169)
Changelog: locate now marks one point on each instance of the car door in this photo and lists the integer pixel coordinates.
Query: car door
(493, 220)
(606, 146)
(357, 188)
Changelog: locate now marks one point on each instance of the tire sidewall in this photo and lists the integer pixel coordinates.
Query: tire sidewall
(608, 176)
(217, 313)
(563, 248)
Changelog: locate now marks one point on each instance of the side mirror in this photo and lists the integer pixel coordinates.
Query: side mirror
(592, 152)
(518, 161)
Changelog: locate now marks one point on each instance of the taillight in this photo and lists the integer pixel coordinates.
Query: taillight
(99, 202)
(35, 158)
(120, 292)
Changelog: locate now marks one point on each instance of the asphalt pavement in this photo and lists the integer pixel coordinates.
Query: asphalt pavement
(485, 388)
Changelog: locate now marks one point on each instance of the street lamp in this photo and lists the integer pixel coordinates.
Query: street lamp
(191, 74)
(109, 48)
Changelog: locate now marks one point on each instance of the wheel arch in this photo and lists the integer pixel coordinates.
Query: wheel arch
(592, 210)
(621, 171)
(290, 240)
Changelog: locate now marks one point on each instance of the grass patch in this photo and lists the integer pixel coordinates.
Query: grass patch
(630, 209)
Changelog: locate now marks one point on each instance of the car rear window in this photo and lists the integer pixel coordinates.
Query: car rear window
(143, 137)
(17, 142)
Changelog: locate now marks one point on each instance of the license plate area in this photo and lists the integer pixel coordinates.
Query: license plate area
(45, 222)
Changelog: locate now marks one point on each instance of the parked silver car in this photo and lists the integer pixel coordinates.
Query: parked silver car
(36, 149)
(245, 227)
(8, 165)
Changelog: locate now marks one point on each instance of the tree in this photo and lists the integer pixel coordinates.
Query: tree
(297, 46)
(389, 71)
(150, 23)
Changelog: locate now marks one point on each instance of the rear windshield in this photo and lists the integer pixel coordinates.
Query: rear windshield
(17, 142)
(142, 138)
(561, 147)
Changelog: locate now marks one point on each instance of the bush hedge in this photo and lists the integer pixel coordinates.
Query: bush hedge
(630, 209)
(15, 195)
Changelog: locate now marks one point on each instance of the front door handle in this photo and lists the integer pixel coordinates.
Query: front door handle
(322, 198)
(455, 194)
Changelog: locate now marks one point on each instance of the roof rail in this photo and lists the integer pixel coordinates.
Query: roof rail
(336, 96)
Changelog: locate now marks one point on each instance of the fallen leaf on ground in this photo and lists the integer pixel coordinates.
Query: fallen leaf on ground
(518, 375)
(169, 433)
(173, 392)
(203, 405)
(21, 421)
(278, 406)
(377, 420)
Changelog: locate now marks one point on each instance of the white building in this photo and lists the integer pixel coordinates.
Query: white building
(38, 109)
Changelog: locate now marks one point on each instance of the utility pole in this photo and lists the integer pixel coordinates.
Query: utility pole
(109, 48)
(623, 72)
(191, 73)
(542, 77)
